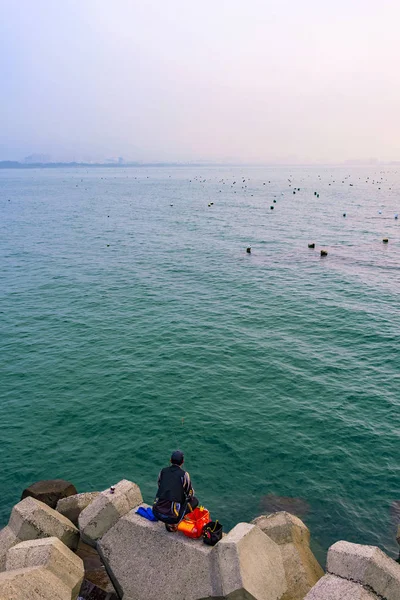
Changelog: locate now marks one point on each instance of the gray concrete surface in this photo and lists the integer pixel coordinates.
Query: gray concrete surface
(33, 583)
(250, 563)
(8, 539)
(331, 587)
(72, 506)
(146, 562)
(52, 554)
(106, 509)
(31, 519)
(302, 569)
(366, 565)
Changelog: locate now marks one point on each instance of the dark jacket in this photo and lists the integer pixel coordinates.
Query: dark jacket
(174, 488)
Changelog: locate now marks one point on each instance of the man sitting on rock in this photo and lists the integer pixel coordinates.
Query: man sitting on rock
(175, 496)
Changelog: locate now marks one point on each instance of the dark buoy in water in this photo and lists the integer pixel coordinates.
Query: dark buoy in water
(311, 245)
(108, 245)
(272, 208)
(396, 216)
(294, 191)
(315, 193)
(385, 240)
(324, 252)
(344, 214)
(248, 250)
(274, 201)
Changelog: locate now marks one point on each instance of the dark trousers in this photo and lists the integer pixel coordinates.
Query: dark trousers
(186, 508)
(192, 504)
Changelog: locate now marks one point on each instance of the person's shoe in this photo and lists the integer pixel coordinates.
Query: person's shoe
(171, 528)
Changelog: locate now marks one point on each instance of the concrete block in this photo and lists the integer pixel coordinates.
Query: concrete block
(283, 528)
(106, 509)
(34, 583)
(302, 569)
(52, 554)
(250, 565)
(331, 587)
(8, 539)
(366, 565)
(72, 506)
(146, 562)
(31, 519)
(49, 491)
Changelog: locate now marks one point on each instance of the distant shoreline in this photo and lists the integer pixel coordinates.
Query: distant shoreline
(13, 164)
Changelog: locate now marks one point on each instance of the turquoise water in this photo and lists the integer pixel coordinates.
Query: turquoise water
(130, 327)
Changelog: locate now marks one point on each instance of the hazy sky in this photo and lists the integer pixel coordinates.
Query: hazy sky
(246, 80)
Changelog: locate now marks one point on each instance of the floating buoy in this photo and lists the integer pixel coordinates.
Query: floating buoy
(344, 214)
(274, 201)
(396, 216)
(379, 212)
(211, 203)
(324, 252)
(317, 195)
(171, 204)
(385, 240)
(248, 250)
(108, 245)
(311, 245)
(272, 208)
(298, 189)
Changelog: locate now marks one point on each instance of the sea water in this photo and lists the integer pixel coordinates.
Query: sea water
(133, 322)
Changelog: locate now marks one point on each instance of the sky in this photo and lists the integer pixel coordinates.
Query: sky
(208, 80)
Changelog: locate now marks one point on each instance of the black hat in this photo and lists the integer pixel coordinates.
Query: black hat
(177, 457)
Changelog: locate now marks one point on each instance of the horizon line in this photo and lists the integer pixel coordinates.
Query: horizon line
(13, 164)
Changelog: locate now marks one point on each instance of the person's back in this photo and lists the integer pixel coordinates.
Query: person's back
(175, 495)
(172, 483)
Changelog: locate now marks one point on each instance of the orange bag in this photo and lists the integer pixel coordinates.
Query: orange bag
(193, 523)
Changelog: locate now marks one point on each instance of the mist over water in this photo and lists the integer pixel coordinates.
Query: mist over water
(130, 327)
(229, 81)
